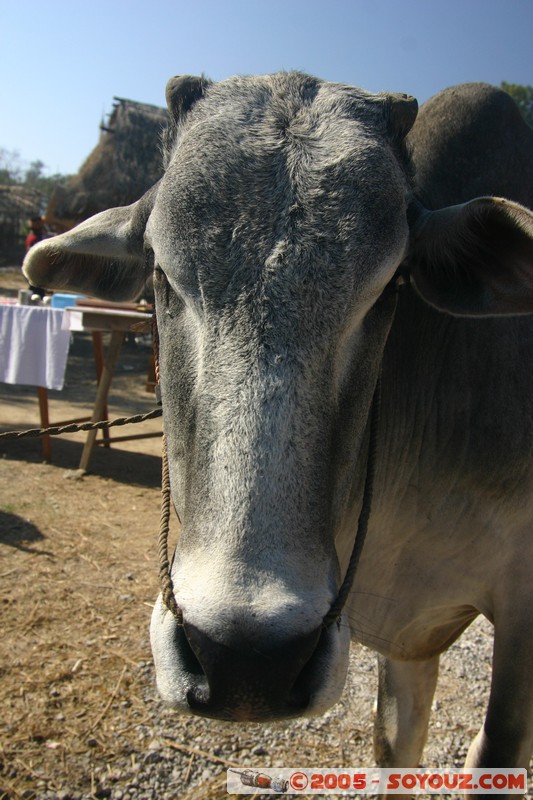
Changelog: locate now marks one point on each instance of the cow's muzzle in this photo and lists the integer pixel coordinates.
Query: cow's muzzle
(252, 683)
(244, 680)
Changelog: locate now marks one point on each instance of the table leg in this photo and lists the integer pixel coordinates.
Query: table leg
(117, 337)
(42, 394)
(98, 352)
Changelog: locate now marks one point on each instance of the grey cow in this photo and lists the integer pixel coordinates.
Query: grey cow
(288, 211)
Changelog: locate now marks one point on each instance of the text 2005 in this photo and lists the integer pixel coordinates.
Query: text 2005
(330, 780)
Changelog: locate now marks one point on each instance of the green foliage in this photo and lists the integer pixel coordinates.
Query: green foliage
(35, 178)
(523, 97)
(10, 167)
(14, 172)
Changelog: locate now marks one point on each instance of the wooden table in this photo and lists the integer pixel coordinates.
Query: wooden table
(98, 321)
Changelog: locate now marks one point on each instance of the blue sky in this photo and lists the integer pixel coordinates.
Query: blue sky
(62, 61)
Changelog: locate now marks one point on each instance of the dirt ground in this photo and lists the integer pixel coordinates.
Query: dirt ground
(79, 716)
(78, 572)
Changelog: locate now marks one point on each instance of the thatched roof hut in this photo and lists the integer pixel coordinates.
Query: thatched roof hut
(125, 163)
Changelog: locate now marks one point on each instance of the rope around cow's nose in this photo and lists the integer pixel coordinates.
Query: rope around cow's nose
(333, 615)
(165, 578)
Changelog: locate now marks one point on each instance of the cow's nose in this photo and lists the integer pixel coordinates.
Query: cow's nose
(247, 681)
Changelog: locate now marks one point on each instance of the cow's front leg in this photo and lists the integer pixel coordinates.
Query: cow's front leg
(405, 692)
(506, 737)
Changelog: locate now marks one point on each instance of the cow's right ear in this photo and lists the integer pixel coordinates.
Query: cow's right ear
(474, 259)
(182, 92)
(102, 257)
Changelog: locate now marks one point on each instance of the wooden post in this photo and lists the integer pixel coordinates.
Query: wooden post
(113, 350)
(42, 394)
(98, 352)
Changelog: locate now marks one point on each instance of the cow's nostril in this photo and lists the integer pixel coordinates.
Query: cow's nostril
(299, 696)
(187, 655)
(310, 676)
(198, 697)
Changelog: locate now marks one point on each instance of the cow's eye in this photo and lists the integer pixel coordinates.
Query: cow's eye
(160, 279)
(167, 296)
(149, 259)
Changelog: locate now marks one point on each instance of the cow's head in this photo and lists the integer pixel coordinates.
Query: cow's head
(281, 220)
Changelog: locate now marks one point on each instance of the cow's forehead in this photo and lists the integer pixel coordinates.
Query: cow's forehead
(283, 180)
(280, 100)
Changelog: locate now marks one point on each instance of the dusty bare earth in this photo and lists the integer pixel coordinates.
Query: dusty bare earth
(79, 716)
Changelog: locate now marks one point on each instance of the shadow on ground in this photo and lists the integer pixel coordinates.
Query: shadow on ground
(20, 533)
(111, 463)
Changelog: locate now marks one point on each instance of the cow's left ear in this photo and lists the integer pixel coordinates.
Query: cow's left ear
(102, 257)
(474, 259)
(402, 110)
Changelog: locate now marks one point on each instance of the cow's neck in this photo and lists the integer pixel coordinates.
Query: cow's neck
(447, 408)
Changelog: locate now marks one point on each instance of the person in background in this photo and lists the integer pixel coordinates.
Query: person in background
(35, 235)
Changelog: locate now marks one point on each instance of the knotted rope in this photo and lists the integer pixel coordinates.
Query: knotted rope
(165, 580)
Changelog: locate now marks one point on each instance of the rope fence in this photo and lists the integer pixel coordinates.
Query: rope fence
(84, 426)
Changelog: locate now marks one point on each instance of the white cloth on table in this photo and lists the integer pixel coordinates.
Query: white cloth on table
(33, 348)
